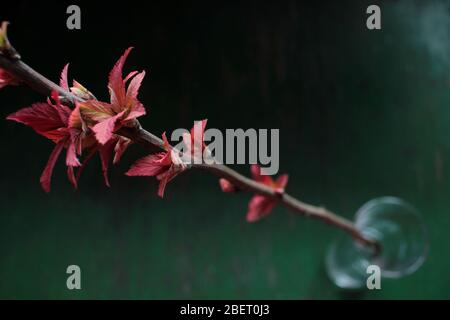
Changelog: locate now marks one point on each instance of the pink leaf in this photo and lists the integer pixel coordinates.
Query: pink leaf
(130, 75)
(116, 84)
(133, 87)
(105, 129)
(121, 146)
(71, 157)
(71, 176)
(150, 166)
(78, 137)
(75, 120)
(166, 142)
(197, 135)
(63, 83)
(137, 110)
(63, 111)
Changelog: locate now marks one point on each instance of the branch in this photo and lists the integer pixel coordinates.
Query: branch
(20, 70)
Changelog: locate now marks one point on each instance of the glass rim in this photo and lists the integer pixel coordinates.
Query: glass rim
(392, 200)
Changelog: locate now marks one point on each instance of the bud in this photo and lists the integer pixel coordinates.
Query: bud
(5, 47)
(7, 79)
(227, 186)
(4, 43)
(81, 91)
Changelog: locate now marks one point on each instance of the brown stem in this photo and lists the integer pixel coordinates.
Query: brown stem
(139, 135)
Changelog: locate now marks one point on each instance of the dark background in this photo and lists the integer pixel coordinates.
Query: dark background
(361, 113)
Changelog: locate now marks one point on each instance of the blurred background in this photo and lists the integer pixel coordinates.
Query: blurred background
(361, 114)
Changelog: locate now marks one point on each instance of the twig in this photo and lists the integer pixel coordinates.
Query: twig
(137, 134)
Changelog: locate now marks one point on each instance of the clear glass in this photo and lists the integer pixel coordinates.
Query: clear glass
(399, 229)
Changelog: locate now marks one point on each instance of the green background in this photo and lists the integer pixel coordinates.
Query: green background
(361, 113)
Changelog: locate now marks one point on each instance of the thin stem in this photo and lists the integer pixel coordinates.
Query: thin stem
(137, 134)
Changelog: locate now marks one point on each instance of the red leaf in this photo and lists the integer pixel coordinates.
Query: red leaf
(121, 146)
(257, 176)
(85, 161)
(281, 182)
(43, 118)
(167, 176)
(259, 207)
(164, 165)
(46, 176)
(71, 176)
(162, 186)
(105, 152)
